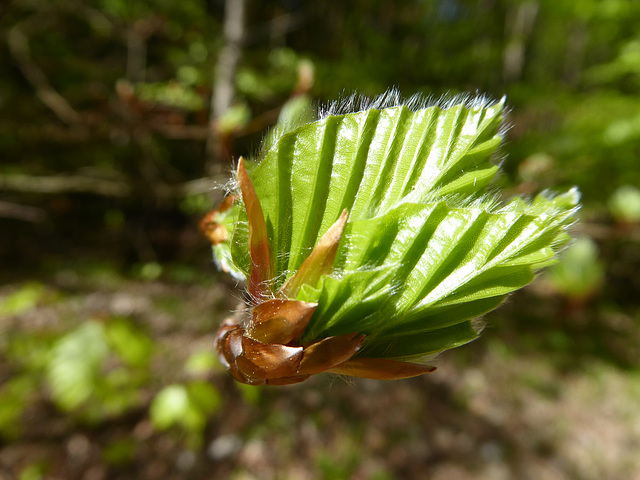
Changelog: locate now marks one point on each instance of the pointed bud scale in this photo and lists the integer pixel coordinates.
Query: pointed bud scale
(381, 369)
(266, 360)
(320, 260)
(222, 344)
(229, 345)
(258, 240)
(287, 380)
(280, 321)
(329, 352)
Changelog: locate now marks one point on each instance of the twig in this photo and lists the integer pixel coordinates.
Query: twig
(64, 183)
(19, 48)
(102, 186)
(22, 212)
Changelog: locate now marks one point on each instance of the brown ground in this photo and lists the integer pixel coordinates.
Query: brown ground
(533, 398)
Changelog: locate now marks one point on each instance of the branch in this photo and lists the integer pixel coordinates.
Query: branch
(22, 212)
(64, 183)
(102, 186)
(19, 48)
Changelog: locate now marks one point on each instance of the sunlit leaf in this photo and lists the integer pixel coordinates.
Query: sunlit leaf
(425, 249)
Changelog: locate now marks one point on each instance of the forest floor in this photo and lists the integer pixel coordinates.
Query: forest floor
(549, 391)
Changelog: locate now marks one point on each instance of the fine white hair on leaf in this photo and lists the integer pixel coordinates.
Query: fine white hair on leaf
(231, 186)
(355, 102)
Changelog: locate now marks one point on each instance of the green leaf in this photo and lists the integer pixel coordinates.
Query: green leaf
(425, 249)
(15, 395)
(131, 345)
(187, 406)
(429, 268)
(580, 273)
(171, 406)
(200, 362)
(75, 364)
(367, 162)
(24, 299)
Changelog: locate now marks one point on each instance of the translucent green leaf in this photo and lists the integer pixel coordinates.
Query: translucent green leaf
(425, 249)
(428, 268)
(368, 162)
(580, 272)
(75, 364)
(131, 345)
(187, 406)
(200, 362)
(170, 406)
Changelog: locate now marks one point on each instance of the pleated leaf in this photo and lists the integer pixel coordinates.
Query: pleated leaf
(424, 251)
(368, 162)
(427, 271)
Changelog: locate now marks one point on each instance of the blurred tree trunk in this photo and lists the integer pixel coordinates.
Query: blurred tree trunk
(137, 51)
(223, 88)
(520, 21)
(576, 48)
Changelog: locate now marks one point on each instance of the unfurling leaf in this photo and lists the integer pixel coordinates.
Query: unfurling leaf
(372, 243)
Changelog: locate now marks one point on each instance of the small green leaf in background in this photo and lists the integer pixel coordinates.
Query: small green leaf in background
(130, 344)
(24, 299)
(579, 273)
(121, 451)
(15, 395)
(150, 271)
(75, 364)
(234, 118)
(171, 94)
(34, 471)
(624, 204)
(96, 370)
(187, 406)
(170, 407)
(200, 363)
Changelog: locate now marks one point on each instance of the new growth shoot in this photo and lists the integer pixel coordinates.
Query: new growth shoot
(369, 242)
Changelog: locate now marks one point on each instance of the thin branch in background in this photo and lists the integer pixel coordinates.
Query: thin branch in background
(577, 42)
(274, 30)
(22, 212)
(102, 186)
(19, 48)
(223, 88)
(63, 184)
(519, 28)
(137, 51)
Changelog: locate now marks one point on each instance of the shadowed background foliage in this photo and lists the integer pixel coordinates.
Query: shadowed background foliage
(118, 119)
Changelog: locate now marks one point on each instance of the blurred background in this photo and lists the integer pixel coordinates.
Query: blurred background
(117, 121)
